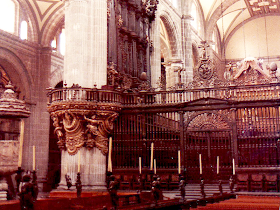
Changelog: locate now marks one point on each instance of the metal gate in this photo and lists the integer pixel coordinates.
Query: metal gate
(211, 145)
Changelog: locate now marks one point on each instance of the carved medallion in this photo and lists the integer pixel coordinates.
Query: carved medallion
(205, 70)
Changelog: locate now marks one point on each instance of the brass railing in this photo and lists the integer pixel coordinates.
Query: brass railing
(236, 93)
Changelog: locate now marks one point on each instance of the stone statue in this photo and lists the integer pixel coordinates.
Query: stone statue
(68, 181)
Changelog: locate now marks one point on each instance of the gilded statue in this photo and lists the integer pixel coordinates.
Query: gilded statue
(98, 130)
(74, 132)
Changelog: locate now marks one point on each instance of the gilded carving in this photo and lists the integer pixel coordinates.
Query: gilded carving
(82, 124)
(207, 121)
(74, 132)
(99, 126)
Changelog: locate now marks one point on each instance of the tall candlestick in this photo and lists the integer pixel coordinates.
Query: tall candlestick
(233, 166)
(20, 142)
(110, 156)
(200, 164)
(155, 166)
(179, 161)
(66, 168)
(140, 165)
(34, 167)
(79, 161)
(152, 155)
(218, 164)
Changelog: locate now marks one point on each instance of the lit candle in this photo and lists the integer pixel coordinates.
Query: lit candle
(152, 155)
(110, 156)
(34, 158)
(140, 165)
(155, 166)
(79, 161)
(200, 164)
(233, 166)
(20, 142)
(218, 159)
(179, 161)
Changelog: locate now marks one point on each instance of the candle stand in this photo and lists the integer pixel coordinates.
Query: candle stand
(79, 185)
(182, 185)
(18, 177)
(220, 187)
(35, 185)
(202, 187)
(113, 188)
(29, 191)
(156, 188)
(140, 183)
(231, 183)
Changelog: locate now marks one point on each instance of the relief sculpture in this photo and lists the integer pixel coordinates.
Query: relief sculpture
(74, 132)
(90, 129)
(98, 131)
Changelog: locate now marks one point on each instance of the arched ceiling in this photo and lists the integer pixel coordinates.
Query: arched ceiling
(229, 14)
(42, 10)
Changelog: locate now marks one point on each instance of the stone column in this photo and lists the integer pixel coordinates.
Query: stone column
(85, 60)
(187, 76)
(85, 65)
(82, 130)
(155, 55)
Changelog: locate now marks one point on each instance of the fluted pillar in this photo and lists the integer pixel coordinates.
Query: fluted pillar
(85, 61)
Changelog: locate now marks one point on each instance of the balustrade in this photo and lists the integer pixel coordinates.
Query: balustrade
(236, 93)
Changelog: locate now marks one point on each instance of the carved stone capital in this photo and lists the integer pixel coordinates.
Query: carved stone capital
(82, 124)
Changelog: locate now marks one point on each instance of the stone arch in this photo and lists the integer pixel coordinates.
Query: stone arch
(209, 120)
(172, 33)
(32, 22)
(56, 76)
(51, 26)
(17, 72)
(211, 23)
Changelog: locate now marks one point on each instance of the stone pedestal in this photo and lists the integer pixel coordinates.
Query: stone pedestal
(92, 166)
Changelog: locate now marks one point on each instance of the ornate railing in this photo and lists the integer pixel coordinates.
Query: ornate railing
(236, 93)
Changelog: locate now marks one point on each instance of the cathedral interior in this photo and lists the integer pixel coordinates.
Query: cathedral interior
(129, 87)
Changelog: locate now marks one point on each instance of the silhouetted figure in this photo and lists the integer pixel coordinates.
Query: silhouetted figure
(113, 188)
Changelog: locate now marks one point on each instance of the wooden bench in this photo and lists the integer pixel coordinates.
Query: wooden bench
(242, 182)
(125, 200)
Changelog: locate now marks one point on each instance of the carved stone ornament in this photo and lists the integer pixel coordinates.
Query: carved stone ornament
(207, 121)
(82, 125)
(10, 105)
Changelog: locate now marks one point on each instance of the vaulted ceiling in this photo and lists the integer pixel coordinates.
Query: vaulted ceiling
(44, 9)
(229, 14)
